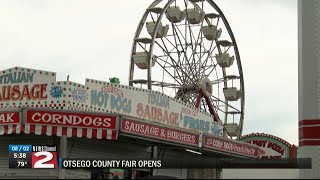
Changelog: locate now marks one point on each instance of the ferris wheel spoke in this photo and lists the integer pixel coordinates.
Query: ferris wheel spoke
(204, 74)
(165, 69)
(192, 56)
(212, 66)
(201, 42)
(165, 61)
(225, 103)
(193, 46)
(143, 47)
(187, 27)
(173, 61)
(212, 69)
(209, 51)
(176, 43)
(204, 63)
(185, 63)
(186, 42)
(227, 49)
(220, 110)
(175, 39)
(201, 54)
(152, 17)
(206, 66)
(172, 66)
(218, 19)
(210, 56)
(217, 81)
(218, 102)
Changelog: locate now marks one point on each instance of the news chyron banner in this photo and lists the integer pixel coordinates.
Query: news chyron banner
(46, 156)
(33, 156)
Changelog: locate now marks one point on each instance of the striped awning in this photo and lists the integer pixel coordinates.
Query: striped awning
(59, 131)
(10, 129)
(22, 126)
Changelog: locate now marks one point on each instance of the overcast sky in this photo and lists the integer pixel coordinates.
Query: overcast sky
(92, 39)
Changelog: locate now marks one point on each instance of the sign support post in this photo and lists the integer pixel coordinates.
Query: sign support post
(63, 154)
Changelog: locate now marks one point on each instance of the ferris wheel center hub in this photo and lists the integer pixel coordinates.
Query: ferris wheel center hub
(206, 87)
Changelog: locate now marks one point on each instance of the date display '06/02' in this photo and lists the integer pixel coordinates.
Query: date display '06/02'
(33, 156)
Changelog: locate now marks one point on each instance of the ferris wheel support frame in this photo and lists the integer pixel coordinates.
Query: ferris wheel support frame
(210, 106)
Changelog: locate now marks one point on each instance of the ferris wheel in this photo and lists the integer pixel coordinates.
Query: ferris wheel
(186, 50)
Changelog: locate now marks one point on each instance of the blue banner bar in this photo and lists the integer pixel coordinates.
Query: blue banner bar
(60, 163)
(20, 148)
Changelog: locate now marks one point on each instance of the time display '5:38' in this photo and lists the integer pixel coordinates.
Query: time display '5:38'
(19, 155)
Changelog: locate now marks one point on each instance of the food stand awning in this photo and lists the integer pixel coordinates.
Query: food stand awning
(60, 123)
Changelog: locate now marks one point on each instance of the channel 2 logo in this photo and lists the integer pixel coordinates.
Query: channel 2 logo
(44, 160)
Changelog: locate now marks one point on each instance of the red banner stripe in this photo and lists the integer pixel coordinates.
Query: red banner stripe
(309, 122)
(13, 129)
(312, 132)
(309, 143)
(114, 134)
(74, 132)
(64, 131)
(32, 128)
(6, 129)
(54, 129)
(22, 128)
(43, 129)
(94, 133)
(84, 132)
(104, 134)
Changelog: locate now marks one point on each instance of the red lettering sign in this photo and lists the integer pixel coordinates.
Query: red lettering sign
(276, 147)
(113, 90)
(71, 119)
(9, 118)
(25, 92)
(159, 132)
(261, 143)
(157, 114)
(223, 144)
(272, 146)
(268, 145)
